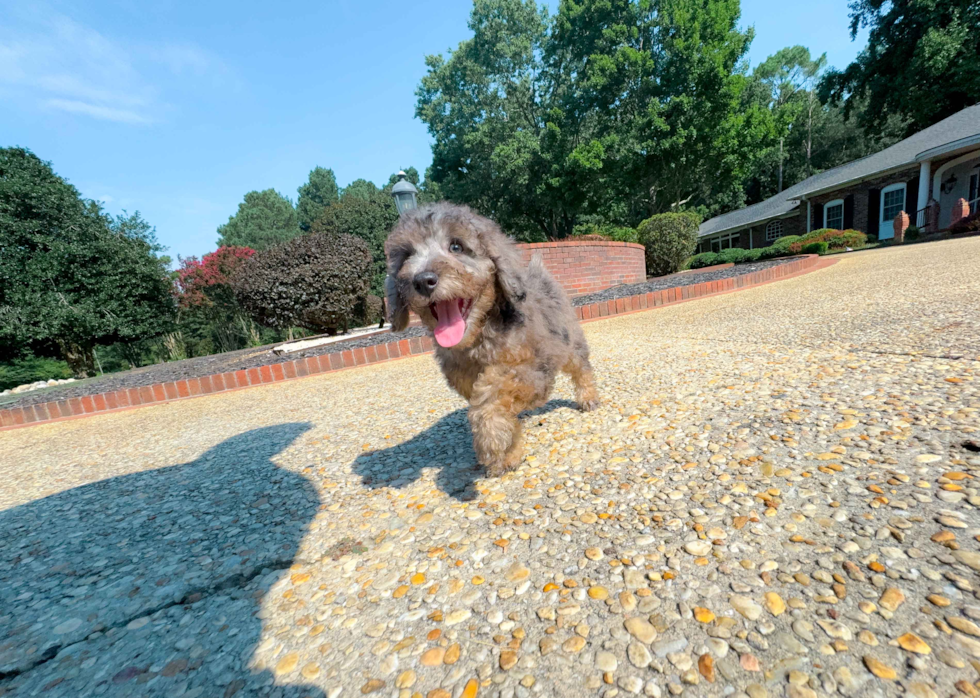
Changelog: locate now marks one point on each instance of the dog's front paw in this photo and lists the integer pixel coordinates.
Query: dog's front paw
(589, 402)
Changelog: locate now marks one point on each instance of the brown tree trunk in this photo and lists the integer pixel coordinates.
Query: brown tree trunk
(80, 360)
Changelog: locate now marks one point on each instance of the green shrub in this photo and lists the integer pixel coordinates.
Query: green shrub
(669, 239)
(592, 230)
(313, 281)
(835, 239)
(30, 370)
(781, 247)
(705, 259)
(912, 233)
(815, 248)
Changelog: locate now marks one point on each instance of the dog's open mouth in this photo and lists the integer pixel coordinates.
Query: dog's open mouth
(451, 320)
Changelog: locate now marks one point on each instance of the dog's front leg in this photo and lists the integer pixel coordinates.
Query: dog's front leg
(498, 397)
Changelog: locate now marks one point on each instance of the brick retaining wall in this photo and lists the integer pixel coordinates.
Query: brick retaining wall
(395, 349)
(588, 266)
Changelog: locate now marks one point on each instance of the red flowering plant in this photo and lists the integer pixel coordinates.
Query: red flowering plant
(208, 309)
(205, 281)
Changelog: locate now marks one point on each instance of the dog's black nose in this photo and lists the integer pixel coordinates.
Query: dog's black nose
(425, 282)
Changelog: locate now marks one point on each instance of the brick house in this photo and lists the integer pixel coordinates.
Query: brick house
(926, 176)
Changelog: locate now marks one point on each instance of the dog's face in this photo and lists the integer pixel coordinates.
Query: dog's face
(450, 267)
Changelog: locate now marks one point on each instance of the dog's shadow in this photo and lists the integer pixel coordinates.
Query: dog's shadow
(447, 446)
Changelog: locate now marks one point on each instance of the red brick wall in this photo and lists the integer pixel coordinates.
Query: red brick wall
(589, 266)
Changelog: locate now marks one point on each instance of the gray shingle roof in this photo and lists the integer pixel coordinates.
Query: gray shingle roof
(963, 124)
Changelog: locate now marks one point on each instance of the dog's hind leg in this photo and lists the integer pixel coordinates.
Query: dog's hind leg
(580, 370)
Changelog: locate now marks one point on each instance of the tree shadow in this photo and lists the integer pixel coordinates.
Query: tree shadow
(149, 583)
(447, 445)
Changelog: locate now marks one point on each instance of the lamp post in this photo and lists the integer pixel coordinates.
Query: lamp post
(405, 193)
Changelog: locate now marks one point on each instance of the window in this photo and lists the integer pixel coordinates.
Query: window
(725, 242)
(774, 231)
(833, 214)
(892, 202)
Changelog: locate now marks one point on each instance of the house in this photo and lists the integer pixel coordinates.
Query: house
(925, 176)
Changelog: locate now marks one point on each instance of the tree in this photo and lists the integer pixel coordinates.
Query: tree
(264, 218)
(69, 274)
(370, 219)
(360, 189)
(612, 108)
(319, 192)
(205, 289)
(921, 62)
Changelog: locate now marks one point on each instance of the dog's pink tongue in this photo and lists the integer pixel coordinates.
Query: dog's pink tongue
(450, 325)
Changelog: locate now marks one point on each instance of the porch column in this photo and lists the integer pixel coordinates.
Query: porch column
(809, 214)
(925, 180)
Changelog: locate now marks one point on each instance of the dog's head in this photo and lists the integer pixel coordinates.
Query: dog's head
(451, 267)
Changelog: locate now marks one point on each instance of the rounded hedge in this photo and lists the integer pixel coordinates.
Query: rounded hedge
(317, 282)
(669, 239)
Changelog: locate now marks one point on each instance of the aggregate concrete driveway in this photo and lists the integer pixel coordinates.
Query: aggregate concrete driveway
(777, 498)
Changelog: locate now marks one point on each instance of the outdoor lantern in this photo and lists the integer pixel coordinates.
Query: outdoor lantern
(405, 194)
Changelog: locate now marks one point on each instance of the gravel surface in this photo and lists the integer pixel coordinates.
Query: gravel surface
(263, 356)
(685, 279)
(776, 498)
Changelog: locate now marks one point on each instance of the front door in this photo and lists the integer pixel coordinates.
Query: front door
(974, 187)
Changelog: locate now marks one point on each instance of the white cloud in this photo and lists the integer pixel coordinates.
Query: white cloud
(96, 111)
(55, 62)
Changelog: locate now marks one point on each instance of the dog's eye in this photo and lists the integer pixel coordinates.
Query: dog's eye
(455, 247)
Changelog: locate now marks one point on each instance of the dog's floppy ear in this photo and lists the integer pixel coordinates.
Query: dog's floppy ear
(506, 258)
(397, 310)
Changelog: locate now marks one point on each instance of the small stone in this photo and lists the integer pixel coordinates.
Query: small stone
(922, 690)
(706, 667)
(470, 689)
(641, 629)
(433, 657)
(699, 548)
(287, 664)
(406, 679)
(457, 617)
(755, 690)
(746, 607)
(879, 669)
(594, 553)
(749, 662)
(963, 625)
(703, 615)
(606, 661)
(631, 684)
(891, 599)
(911, 642)
(508, 659)
(598, 593)
(775, 603)
(452, 654)
(639, 655)
(937, 600)
(574, 645)
(372, 686)
(547, 645)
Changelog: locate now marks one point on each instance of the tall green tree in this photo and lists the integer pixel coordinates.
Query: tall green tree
(616, 108)
(922, 62)
(319, 192)
(70, 275)
(360, 189)
(264, 219)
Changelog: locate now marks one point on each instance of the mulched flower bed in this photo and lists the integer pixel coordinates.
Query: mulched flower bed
(263, 356)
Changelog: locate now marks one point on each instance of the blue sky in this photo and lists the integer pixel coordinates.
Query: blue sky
(176, 109)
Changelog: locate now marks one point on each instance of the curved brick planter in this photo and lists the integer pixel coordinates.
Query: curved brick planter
(588, 266)
(395, 349)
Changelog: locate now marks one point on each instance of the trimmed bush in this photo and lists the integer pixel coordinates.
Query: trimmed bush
(912, 233)
(835, 239)
(815, 248)
(780, 248)
(312, 281)
(30, 369)
(669, 239)
(705, 259)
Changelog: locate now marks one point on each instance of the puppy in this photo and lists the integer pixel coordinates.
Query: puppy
(504, 330)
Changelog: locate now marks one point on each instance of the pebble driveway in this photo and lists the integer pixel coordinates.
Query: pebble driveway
(777, 498)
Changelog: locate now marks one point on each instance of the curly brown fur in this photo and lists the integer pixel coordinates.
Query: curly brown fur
(520, 329)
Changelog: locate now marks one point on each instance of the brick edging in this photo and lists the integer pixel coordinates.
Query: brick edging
(337, 361)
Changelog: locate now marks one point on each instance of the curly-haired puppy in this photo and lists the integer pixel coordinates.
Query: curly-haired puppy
(504, 330)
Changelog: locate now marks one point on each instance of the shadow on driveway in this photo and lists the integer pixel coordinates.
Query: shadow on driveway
(446, 445)
(149, 583)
